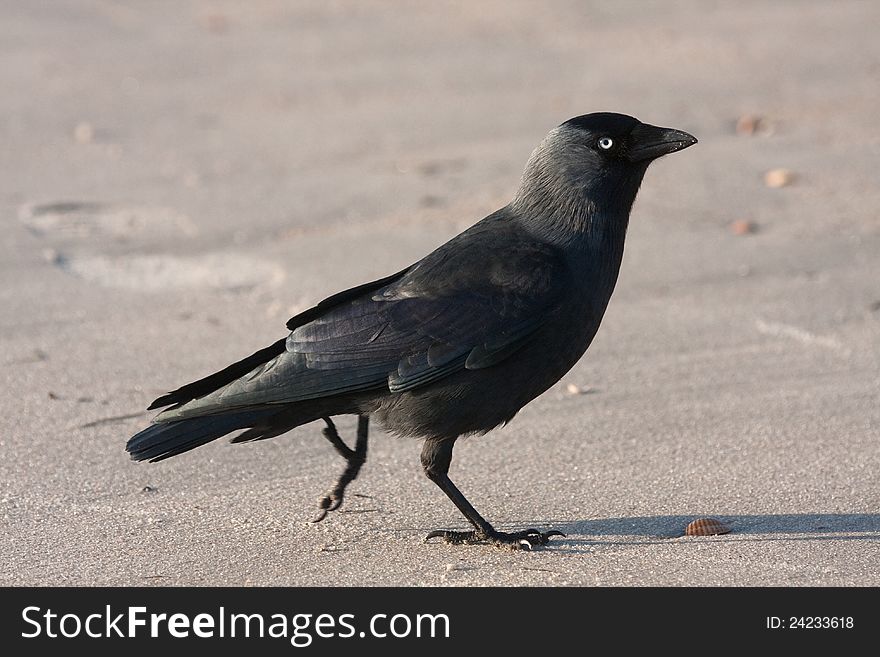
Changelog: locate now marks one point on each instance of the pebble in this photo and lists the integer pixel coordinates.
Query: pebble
(84, 133)
(776, 178)
(748, 124)
(743, 227)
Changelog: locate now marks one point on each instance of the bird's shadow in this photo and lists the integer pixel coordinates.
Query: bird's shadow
(582, 535)
(586, 535)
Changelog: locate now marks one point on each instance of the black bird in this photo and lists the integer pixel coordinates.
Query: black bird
(457, 343)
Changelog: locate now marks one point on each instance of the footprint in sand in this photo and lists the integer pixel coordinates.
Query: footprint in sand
(75, 230)
(155, 273)
(72, 220)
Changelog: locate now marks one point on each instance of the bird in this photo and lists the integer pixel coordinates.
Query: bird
(455, 344)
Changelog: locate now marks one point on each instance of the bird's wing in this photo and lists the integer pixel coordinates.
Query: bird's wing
(470, 304)
(245, 366)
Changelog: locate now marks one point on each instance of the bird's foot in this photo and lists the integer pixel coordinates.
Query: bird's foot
(354, 459)
(329, 502)
(522, 540)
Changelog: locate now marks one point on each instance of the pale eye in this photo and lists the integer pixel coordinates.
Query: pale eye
(605, 143)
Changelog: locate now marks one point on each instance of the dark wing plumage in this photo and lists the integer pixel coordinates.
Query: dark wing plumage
(243, 367)
(471, 303)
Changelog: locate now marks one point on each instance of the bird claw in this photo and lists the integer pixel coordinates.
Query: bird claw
(329, 502)
(354, 459)
(531, 538)
(454, 537)
(527, 539)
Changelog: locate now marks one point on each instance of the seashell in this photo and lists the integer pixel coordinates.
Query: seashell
(84, 133)
(706, 527)
(776, 178)
(748, 124)
(743, 227)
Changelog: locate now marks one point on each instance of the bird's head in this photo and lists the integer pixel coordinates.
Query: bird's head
(617, 140)
(594, 164)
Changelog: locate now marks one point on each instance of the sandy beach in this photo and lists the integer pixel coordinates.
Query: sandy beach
(180, 178)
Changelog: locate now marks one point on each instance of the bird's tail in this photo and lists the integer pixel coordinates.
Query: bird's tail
(165, 439)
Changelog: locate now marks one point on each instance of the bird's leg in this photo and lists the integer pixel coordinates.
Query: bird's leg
(355, 458)
(436, 457)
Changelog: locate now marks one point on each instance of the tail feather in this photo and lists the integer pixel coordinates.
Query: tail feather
(219, 379)
(261, 432)
(166, 439)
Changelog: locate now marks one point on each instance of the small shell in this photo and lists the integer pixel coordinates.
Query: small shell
(706, 527)
(743, 227)
(748, 124)
(84, 133)
(776, 178)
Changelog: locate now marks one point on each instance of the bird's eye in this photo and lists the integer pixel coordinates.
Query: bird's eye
(605, 143)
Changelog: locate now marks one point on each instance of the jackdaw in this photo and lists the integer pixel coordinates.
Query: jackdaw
(455, 344)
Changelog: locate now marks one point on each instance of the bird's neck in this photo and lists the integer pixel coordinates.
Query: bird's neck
(585, 215)
(573, 200)
(575, 213)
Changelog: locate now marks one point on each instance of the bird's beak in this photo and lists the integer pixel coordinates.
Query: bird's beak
(648, 142)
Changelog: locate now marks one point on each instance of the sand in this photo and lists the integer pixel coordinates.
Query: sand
(178, 179)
